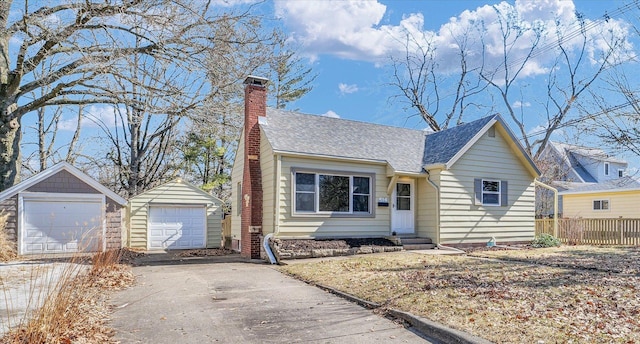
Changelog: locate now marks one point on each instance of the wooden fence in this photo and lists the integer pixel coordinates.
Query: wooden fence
(593, 231)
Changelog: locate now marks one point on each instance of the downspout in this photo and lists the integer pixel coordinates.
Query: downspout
(555, 204)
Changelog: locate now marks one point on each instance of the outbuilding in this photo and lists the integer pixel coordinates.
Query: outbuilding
(174, 215)
(62, 210)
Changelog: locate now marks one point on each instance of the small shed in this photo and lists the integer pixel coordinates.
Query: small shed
(62, 210)
(174, 215)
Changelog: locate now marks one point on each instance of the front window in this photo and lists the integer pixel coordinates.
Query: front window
(620, 173)
(601, 204)
(606, 168)
(328, 193)
(490, 192)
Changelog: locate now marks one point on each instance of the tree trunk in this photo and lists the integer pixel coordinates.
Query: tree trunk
(9, 150)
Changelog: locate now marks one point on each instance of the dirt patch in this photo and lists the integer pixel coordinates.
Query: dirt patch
(309, 248)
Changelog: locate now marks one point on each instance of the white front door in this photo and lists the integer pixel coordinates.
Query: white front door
(402, 216)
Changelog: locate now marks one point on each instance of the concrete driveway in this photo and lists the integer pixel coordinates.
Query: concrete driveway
(230, 301)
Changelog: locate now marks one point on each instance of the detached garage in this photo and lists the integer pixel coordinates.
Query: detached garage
(62, 210)
(175, 215)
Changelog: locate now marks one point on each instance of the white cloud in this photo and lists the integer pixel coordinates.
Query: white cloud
(94, 117)
(347, 89)
(353, 30)
(519, 104)
(331, 114)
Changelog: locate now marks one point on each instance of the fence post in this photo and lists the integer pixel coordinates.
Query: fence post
(619, 222)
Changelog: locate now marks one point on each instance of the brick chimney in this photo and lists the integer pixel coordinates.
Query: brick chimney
(255, 105)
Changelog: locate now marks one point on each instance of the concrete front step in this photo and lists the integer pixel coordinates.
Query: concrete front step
(411, 241)
(414, 247)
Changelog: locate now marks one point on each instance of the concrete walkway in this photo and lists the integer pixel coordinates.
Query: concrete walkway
(223, 300)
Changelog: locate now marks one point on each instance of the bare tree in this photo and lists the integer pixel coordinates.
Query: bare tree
(438, 99)
(85, 41)
(493, 79)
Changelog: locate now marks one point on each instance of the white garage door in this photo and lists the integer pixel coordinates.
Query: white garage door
(172, 227)
(61, 225)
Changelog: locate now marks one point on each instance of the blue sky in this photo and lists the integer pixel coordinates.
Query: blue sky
(349, 44)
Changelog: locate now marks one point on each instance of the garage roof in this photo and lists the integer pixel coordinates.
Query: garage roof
(52, 171)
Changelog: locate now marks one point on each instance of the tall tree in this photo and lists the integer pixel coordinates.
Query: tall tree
(86, 41)
(291, 78)
(496, 60)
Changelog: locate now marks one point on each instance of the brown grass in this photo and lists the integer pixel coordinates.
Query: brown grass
(74, 309)
(7, 247)
(502, 301)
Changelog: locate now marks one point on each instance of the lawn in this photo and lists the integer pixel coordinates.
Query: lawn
(503, 301)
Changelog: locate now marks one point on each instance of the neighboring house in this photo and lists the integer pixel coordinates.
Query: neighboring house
(592, 184)
(62, 210)
(174, 215)
(611, 199)
(306, 176)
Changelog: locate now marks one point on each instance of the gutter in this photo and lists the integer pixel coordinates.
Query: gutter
(555, 204)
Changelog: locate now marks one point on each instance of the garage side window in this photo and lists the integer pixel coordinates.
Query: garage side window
(601, 204)
(332, 193)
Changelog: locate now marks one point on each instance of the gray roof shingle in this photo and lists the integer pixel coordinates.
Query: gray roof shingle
(621, 184)
(406, 150)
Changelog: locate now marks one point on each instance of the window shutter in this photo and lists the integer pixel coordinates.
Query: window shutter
(477, 191)
(504, 192)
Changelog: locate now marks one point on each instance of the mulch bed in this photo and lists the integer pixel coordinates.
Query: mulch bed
(322, 244)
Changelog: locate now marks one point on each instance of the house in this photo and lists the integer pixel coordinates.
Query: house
(174, 215)
(306, 176)
(62, 210)
(592, 184)
(610, 199)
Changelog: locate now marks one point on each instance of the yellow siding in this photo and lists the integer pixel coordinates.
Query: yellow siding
(236, 178)
(463, 222)
(621, 204)
(267, 166)
(318, 226)
(178, 193)
(426, 208)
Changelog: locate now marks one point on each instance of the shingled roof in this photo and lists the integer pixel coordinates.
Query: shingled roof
(406, 150)
(622, 184)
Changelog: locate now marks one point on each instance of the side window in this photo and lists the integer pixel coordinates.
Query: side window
(491, 192)
(239, 199)
(601, 204)
(606, 168)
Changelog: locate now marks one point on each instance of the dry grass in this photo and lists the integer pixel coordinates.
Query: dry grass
(502, 301)
(7, 247)
(74, 309)
(617, 259)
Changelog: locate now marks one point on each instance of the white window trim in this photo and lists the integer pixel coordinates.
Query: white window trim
(601, 200)
(607, 169)
(316, 192)
(499, 192)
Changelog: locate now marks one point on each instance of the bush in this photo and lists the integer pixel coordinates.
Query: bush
(7, 247)
(545, 240)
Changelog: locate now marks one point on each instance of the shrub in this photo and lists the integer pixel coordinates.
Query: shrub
(545, 240)
(7, 247)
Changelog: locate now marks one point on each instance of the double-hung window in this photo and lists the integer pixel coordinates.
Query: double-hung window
(601, 204)
(491, 192)
(332, 193)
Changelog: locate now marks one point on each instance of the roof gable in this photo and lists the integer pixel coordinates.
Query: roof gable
(178, 182)
(61, 166)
